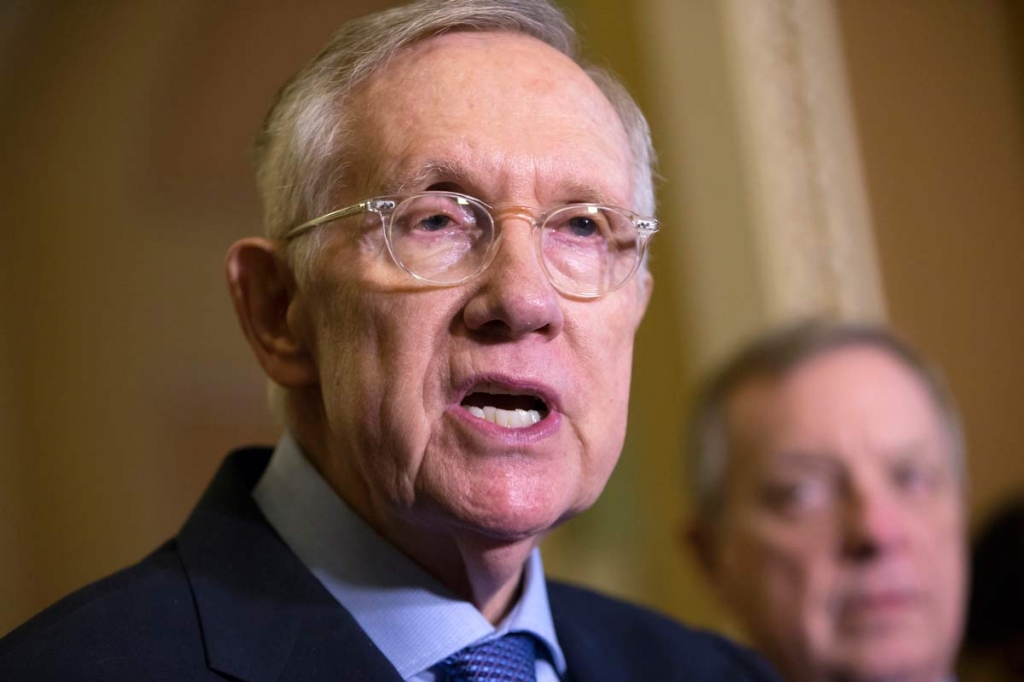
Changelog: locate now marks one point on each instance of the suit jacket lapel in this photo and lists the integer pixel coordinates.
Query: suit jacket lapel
(587, 657)
(264, 616)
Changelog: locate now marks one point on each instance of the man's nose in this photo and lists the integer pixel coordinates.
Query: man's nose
(514, 296)
(874, 524)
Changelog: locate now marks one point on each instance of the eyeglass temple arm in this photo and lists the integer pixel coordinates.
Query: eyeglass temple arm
(326, 218)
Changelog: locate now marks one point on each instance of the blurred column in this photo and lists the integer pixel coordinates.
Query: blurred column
(757, 123)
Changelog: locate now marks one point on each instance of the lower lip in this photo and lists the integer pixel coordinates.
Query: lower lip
(545, 428)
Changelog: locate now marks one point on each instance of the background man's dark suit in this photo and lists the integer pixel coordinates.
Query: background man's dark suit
(227, 599)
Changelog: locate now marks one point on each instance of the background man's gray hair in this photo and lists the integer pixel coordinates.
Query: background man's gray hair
(772, 357)
(305, 138)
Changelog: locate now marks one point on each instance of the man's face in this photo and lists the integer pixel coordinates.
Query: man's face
(841, 545)
(510, 121)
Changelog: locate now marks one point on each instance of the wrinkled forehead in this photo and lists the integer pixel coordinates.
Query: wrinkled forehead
(506, 107)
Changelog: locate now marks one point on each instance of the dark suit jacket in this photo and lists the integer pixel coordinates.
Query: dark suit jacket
(227, 599)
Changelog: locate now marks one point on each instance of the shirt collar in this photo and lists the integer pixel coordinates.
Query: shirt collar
(412, 618)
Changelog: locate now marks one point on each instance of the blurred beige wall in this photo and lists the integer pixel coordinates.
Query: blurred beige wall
(126, 172)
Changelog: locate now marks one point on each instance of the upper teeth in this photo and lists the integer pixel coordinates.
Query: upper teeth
(515, 419)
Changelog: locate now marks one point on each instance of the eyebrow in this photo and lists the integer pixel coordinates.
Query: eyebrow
(433, 172)
(448, 171)
(801, 459)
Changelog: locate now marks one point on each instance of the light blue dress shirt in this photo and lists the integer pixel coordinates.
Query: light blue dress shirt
(414, 620)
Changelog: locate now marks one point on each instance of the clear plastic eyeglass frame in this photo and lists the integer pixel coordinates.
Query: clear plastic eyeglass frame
(387, 207)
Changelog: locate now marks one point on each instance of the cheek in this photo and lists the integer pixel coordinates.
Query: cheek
(790, 572)
(346, 342)
(603, 357)
(603, 348)
(942, 528)
(377, 378)
(944, 559)
(786, 575)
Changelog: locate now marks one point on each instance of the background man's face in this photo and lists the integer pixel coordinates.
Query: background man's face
(510, 121)
(842, 547)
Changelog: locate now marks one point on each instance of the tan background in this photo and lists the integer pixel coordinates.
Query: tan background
(125, 170)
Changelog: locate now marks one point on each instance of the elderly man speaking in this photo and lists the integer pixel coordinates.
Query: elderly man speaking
(457, 216)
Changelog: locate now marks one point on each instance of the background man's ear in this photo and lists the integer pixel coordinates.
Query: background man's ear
(263, 289)
(697, 536)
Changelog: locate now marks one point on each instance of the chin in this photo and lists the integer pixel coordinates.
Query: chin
(508, 500)
(515, 518)
(512, 524)
(893, 661)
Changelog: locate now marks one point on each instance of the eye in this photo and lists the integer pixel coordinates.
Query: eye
(800, 495)
(914, 477)
(579, 223)
(583, 226)
(434, 214)
(435, 222)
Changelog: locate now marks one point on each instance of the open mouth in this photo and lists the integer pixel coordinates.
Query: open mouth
(505, 407)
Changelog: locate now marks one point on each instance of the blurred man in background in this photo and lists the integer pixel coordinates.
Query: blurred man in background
(828, 462)
(457, 214)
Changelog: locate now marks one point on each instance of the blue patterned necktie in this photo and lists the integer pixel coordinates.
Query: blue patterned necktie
(511, 658)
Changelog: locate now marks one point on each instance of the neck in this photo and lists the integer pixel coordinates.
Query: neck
(482, 569)
(485, 571)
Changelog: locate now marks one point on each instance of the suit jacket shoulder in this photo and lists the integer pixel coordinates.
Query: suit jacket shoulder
(226, 599)
(607, 639)
(139, 623)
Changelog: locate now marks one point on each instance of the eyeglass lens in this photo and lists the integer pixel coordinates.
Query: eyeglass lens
(446, 238)
(441, 238)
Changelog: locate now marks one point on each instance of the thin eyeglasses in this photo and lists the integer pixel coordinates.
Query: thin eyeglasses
(446, 238)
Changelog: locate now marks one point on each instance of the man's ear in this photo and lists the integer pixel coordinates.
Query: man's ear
(263, 289)
(698, 537)
(645, 287)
